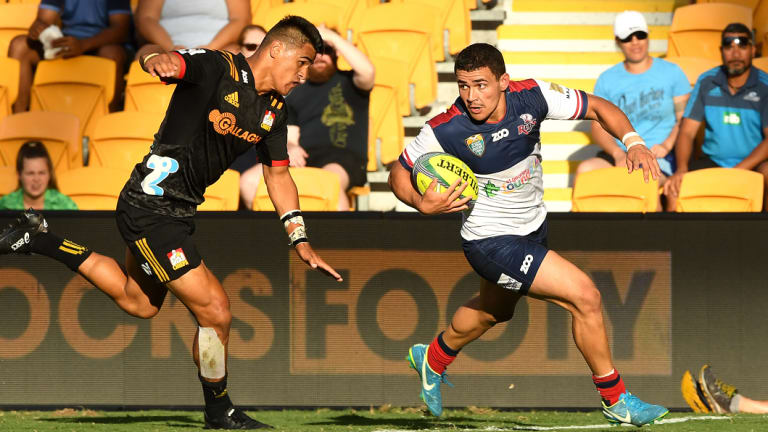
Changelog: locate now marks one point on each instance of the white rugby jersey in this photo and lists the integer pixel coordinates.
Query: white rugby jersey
(505, 156)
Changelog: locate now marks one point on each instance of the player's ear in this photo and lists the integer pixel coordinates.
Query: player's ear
(504, 81)
(276, 49)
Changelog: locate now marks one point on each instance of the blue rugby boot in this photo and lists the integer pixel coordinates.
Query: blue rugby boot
(631, 410)
(430, 380)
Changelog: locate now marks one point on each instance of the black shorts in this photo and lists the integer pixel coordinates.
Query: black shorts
(352, 164)
(162, 245)
(509, 261)
(702, 162)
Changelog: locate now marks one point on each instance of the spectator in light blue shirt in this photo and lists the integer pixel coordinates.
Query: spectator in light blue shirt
(652, 93)
(732, 101)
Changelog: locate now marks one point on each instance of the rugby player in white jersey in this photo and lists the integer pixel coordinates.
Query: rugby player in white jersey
(494, 128)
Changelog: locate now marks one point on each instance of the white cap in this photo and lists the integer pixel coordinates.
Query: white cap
(629, 22)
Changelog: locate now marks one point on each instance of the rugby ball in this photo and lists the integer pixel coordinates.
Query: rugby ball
(446, 169)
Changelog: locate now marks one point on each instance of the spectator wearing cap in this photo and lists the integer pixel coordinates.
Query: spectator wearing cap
(732, 102)
(652, 92)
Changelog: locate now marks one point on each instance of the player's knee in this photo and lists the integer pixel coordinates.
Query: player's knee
(217, 314)
(588, 299)
(113, 52)
(18, 47)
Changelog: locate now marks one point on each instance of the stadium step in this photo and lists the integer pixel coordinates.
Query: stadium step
(569, 37)
(592, 5)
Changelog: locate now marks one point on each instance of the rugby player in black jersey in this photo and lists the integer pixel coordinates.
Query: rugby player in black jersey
(223, 104)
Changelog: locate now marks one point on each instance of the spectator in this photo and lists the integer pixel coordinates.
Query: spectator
(37, 182)
(328, 119)
(250, 39)
(652, 92)
(732, 101)
(97, 27)
(709, 394)
(178, 24)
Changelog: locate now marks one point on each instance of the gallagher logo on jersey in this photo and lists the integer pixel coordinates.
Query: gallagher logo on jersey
(226, 124)
(476, 144)
(266, 122)
(528, 123)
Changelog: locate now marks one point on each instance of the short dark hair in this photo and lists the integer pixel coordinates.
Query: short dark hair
(296, 31)
(34, 150)
(248, 28)
(479, 55)
(736, 28)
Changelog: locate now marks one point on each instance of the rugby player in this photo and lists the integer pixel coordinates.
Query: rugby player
(494, 128)
(223, 104)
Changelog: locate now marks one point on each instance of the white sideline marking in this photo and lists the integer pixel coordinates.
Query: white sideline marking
(556, 428)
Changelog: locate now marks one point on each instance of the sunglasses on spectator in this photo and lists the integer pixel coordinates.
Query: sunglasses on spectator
(250, 46)
(640, 35)
(740, 41)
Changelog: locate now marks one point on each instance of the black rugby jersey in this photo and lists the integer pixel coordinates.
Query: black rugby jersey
(215, 114)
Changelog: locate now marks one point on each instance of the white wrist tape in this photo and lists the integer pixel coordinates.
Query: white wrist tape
(629, 135)
(299, 234)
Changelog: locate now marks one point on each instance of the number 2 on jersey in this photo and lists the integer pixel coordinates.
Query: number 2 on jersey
(161, 167)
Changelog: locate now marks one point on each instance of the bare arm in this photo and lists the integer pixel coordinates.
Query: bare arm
(239, 17)
(364, 72)
(296, 152)
(431, 202)
(117, 33)
(148, 23)
(759, 154)
(45, 18)
(285, 197)
(605, 141)
(669, 143)
(614, 121)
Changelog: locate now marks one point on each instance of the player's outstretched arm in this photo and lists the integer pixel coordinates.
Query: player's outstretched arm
(615, 122)
(432, 202)
(285, 197)
(158, 62)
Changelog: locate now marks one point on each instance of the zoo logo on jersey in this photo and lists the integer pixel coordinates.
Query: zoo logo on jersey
(476, 144)
(528, 123)
(177, 258)
(226, 123)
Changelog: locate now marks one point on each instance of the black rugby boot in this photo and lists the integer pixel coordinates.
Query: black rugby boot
(234, 418)
(18, 235)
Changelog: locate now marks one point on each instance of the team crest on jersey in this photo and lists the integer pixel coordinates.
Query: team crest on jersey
(528, 123)
(233, 99)
(177, 258)
(476, 144)
(269, 119)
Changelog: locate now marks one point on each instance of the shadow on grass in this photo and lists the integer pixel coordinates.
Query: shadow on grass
(166, 420)
(451, 422)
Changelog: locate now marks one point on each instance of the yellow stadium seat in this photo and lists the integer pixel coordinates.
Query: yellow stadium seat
(760, 63)
(15, 19)
(694, 66)
(351, 12)
(32, 2)
(316, 12)
(470, 4)
(613, 190)
(224, 194)
(421, 18)
(386, 127)
(121, 140)
(59, 132)
(721, 190)
(93, 188)
(143, 92)
(384, 31)
(9, 84)
(760, 17)
(82, 85)
(389, 73)
(318, 190)
(453, 17)
(9, 180)
(696, 28)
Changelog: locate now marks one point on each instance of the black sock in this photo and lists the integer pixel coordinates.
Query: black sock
(64, 251)
(217, 400)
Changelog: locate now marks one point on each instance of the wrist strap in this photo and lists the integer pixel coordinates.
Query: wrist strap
(635, 142)
(147, 57)
(299, 234)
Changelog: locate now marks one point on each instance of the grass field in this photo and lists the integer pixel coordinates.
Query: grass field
(383, 419)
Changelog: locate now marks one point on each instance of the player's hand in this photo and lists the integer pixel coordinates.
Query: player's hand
(36, 28)
(434, 202)
(305, 252)
(672, 185)
(639, 157)
(659, 151)
(162, 65)
(297, 155)
(70, 46)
